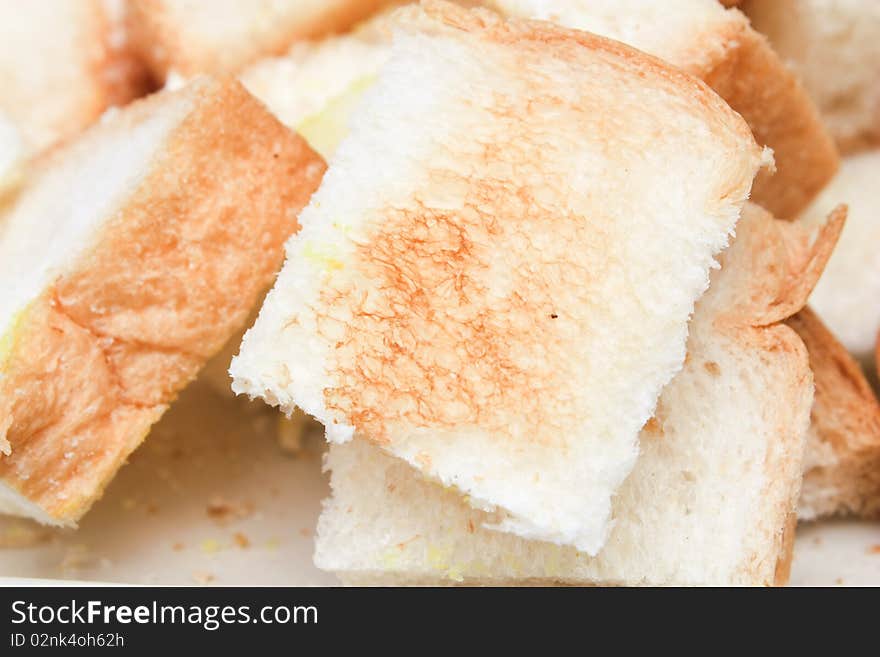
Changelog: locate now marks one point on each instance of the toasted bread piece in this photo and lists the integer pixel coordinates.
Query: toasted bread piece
(61, 65)
(127, 260)
(846, 297)
(718, 46)
(712, 497)
(214, 36)
(834, 46)
(842, 462)
(494, 280)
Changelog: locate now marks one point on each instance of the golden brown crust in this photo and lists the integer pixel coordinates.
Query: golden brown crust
(514, 31)
(786, 261)
(101, 353)
(790, 260)
(167, 46)
(740, 65)
(845, 419)
(786, 551)
(756, 83)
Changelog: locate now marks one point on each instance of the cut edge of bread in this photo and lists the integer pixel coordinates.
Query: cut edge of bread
(842, 463)
(755, 81)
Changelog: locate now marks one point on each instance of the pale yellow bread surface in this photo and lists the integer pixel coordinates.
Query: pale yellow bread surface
(316, 86)
(62, 63)
(842, 461)
(193, 36)
(712, 497)
(128, 259)
(718, 46)
(472, 232)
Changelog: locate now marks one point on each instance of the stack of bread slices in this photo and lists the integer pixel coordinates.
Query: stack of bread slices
(540, 269)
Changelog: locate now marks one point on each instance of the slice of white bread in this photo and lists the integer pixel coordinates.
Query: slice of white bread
(712, 497)
(61, 65)
(313, 88)
(494, 280)
(842, 460)
(834, 46)
(718, 46)
(846, 297)
(127, 260)
(316, 85)
(195, 36)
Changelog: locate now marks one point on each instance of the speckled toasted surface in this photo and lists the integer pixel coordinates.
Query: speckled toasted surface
(173, 270)
(485, 289)
(712, 498)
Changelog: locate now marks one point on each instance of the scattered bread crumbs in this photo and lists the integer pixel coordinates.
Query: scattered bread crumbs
(305, 531)
(839, 581)
(817, 540)
(23, 534)
(222, 511)
(76, 558)
(470, 526)
(874, 549)
(203, 578)
(210, 546)
(241, 540)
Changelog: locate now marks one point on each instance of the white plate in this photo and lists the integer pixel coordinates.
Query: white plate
(162, 519)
